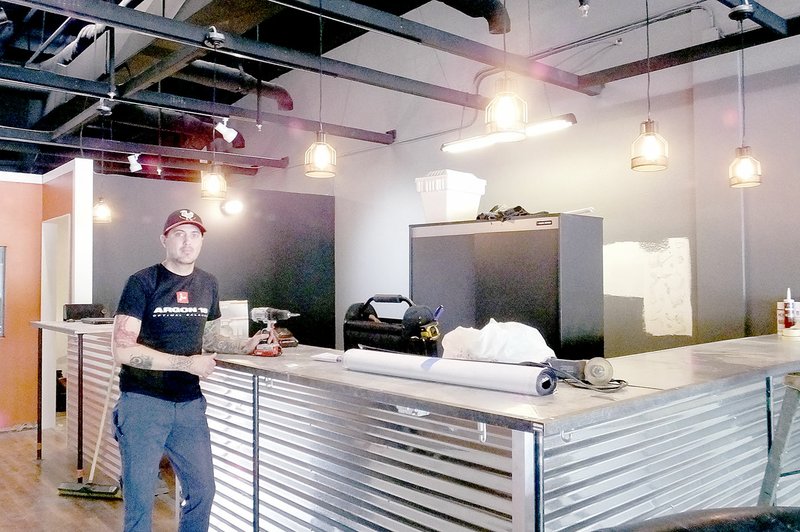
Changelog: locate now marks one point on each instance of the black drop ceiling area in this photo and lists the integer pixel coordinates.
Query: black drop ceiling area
(169, 90)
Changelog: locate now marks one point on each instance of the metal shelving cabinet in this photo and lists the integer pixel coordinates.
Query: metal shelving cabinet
(543, 271)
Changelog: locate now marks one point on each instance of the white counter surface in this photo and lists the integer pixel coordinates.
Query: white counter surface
(73, 327)
(651, 377)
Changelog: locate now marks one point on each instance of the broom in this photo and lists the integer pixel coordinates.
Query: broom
(89, 489)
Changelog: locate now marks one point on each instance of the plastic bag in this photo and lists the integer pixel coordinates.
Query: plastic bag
(497, 342)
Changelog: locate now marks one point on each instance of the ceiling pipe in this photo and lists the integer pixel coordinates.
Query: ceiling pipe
(233, 80)
(493, 11)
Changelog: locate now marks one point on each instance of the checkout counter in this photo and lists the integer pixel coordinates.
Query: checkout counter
(304, 444)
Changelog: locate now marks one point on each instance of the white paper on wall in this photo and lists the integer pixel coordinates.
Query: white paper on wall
(660, 273)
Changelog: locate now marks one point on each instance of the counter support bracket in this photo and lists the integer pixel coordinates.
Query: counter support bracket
(527, 481)
(256, 457)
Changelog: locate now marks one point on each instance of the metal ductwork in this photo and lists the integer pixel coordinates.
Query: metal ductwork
(492, 10)
(233, 80)
(86, 37)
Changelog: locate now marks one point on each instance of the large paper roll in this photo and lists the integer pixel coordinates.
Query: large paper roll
(513, 378)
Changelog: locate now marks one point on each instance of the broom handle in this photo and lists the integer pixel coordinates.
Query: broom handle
(101, 428)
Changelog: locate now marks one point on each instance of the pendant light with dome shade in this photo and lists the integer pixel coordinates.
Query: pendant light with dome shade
(745, 170)
(650, 151)
(320, 157)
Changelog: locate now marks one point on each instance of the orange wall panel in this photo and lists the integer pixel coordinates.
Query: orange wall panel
(57, 200)
(21, 233)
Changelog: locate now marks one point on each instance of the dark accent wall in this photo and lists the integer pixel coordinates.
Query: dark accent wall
(278, 253)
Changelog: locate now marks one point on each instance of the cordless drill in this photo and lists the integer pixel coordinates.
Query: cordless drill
(270, 347)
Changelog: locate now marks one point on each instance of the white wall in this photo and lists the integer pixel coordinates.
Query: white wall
(588, 165)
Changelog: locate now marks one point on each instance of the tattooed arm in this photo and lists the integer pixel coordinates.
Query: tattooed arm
(214, 341)
(128, 351)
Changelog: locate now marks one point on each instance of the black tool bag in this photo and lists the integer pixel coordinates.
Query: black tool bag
(417, 333)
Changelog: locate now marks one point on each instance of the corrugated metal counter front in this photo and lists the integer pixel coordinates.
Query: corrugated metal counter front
(342, 450)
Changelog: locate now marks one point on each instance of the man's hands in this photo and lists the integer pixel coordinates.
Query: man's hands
(202, 365)
(215, 342)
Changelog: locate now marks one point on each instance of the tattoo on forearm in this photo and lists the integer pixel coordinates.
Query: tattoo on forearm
(141, 361)
(180, 362)
(122, 336)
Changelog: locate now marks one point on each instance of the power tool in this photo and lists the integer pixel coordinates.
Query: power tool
(596, 371)
(270, 347)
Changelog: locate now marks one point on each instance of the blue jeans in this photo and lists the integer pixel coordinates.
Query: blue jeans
(146, 428)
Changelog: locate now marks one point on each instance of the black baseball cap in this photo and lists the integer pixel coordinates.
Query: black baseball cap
(183, 216)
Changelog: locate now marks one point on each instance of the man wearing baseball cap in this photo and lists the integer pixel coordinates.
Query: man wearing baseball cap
(168, 315)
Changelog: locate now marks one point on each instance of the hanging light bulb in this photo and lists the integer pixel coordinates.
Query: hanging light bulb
(320, 159)
(745, 170)
(213, 185)
(650, 151)
(506, 114)
(101, 212)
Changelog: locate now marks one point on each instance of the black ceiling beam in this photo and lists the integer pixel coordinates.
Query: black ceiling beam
(762, 16)
(107, 145)
(237, 46)
(730, 43)
(98, 89)
(376, 20)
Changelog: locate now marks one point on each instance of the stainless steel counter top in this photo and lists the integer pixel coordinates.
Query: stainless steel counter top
(652, 377)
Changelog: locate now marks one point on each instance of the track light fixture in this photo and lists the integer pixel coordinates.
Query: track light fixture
(228, 133)
(103, 109)
(133, 162)
(583, 8)
(101, 212)
(214, 39)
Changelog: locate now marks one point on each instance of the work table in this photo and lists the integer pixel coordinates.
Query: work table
(679, 370)
(305, 444)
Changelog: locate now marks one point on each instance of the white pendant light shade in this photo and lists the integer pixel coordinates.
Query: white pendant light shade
(745, 170)
(650, 151)
(320, 159)
(506, 115)
(213, 185)
(101, 212)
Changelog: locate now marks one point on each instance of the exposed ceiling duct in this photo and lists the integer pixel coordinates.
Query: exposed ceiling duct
(492, 10)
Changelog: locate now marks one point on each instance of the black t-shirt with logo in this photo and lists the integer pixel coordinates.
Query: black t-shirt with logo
(173, 310)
